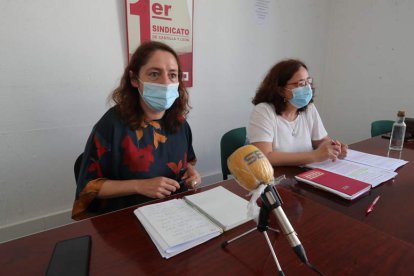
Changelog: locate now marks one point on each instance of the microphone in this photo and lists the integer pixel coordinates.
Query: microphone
(251, 169)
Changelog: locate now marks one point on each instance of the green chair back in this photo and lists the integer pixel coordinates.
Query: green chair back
(380, 127)
(230, 141)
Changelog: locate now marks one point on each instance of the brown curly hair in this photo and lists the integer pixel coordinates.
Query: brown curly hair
(127, 98)
(270, 90)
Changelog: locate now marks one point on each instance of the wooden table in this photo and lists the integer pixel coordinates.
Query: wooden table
(394, 212)
(335, 243)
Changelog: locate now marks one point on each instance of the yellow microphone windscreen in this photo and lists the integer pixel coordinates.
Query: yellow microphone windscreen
(250, 167)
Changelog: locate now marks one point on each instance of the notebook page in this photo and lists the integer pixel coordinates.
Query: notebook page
(176, 223)
(225, 208)
(162, 247)
(371, 175)
(373, 160)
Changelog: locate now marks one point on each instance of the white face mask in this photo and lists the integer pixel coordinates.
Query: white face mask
(159, 97)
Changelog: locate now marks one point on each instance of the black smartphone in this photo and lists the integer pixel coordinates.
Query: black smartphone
(70, 257)
(180, 181)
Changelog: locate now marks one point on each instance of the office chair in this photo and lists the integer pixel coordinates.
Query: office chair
(76, 167)
(381, 127)
(230, 141)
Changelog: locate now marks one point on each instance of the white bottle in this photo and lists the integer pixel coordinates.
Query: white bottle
(398, 132)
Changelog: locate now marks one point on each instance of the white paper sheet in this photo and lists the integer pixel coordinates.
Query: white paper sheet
(368, 174)
(373, 160)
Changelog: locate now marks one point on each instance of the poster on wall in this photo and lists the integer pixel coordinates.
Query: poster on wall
(167, 21)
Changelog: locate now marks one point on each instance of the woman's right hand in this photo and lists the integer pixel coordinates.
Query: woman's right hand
(328, 149)
(157, 187)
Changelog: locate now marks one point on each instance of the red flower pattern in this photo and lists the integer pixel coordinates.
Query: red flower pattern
(177, 167)
(174, 167)
(137, 160)
(95, 166)
(100, 149)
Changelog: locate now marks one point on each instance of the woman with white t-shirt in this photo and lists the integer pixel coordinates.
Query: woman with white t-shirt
(285, 124)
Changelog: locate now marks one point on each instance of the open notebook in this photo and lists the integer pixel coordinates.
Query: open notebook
(180, 224)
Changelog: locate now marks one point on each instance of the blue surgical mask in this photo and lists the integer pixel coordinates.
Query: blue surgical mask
(159, 97)
(301, 96)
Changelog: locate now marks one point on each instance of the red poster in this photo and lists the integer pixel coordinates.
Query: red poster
(167, 21)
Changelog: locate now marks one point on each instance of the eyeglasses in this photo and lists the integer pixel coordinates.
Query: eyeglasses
(302, 83)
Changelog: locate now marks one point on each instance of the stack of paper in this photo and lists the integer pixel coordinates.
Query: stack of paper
(368, 168)
(180, 224)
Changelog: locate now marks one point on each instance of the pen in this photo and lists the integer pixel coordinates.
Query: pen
(372, 205)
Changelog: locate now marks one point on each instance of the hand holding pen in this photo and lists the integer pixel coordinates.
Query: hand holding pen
(328, 149)
(343, 148)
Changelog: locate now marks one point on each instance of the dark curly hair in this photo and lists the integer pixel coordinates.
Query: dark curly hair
(127, 98)
(270, 90)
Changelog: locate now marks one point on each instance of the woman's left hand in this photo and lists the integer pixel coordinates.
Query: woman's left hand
(192, 177)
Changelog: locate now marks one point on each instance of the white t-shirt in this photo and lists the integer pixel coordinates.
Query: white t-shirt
(297, 136)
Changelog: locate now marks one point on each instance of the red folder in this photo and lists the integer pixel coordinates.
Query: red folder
(340, 185)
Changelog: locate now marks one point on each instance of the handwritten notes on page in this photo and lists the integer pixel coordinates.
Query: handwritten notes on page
(174, 226)
(180, 224)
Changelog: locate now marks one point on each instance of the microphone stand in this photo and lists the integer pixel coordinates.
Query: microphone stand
(276, 181)
(262, 226)
(272, 203)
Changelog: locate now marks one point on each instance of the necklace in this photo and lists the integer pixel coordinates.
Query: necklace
(294, 128)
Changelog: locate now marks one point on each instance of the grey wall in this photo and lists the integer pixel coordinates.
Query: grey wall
(368, 65)
(59, 60)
